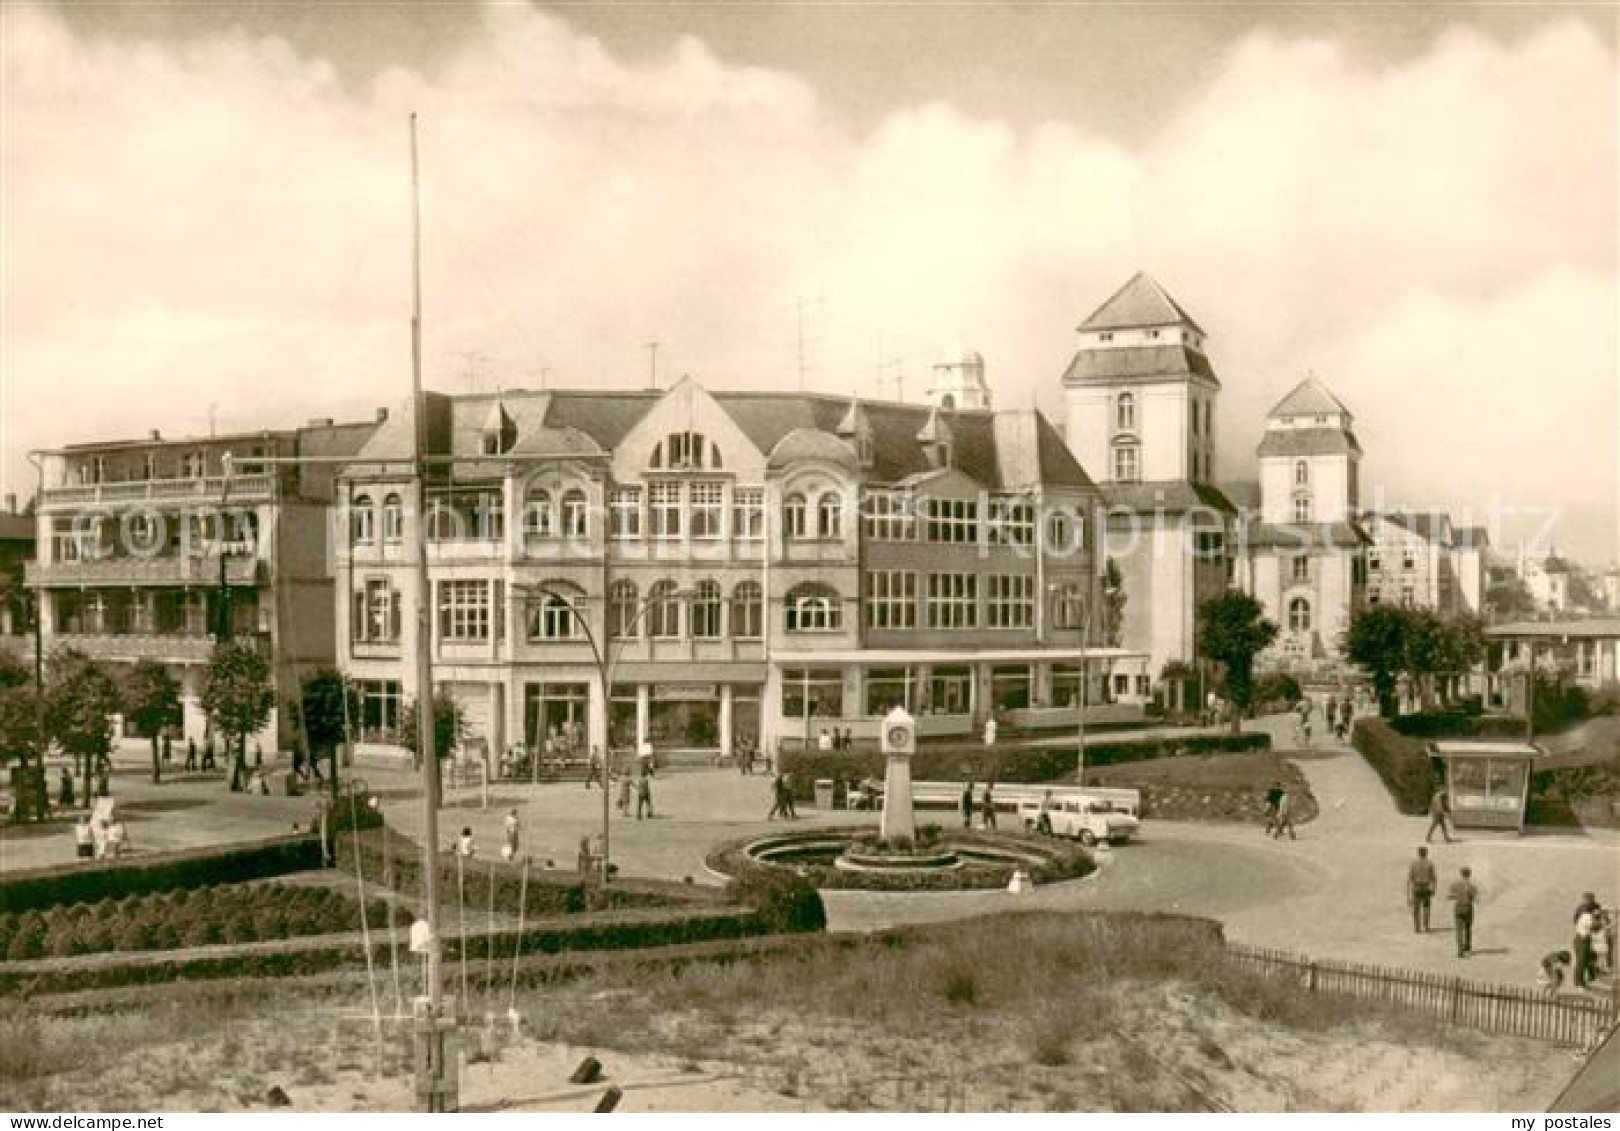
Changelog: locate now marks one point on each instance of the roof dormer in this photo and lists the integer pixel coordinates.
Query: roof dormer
(499, 430)
(856, 430)
(936, 439)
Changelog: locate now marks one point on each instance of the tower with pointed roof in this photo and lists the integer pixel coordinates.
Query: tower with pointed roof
(958, 382)
(1140, 397)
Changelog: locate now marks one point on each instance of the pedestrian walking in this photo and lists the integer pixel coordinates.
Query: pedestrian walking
(1274, 796)
(168, 748)
(644, 796)
(191, 754)
(1043, 820)
(987, 805)
(624, 795)
(64, 791)
(967, 805)
(593, 772)
(1285, 817)
(1438, 817)
(1464, 895)
(779, 805)
(512, 827)
(465, 845)
(208, 762)
(1420, 884)
(1585, 924)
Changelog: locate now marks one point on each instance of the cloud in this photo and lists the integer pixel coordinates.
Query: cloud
(223, 222)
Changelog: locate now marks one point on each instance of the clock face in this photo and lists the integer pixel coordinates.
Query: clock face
(899, 736)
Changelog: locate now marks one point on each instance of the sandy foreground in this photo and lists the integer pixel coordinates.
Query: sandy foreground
(1189, 1054)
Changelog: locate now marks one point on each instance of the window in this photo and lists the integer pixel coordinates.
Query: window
(492, 444)
(1302, 473)
(953, 600)
(664, 510)
(575, 512)
(1125, 413)
(362, 521)
(1299, 615)
(1408, 559)
(888, 688)
(463, 611)
(192, 465)
(393, 519)
(707, 501)
(1301, 567)
(624, 512)
(830, 515)
(1012, 522)
(891, 600)
(685, 450)
(706, 610)
(891, 516)
(1192, 413)
(812, 692)
(1408, 596)
(552, 616)
(811, 608)
(1069, 608)
(1010, 601)
(748, 513)
(952, 520)
(1209, 418)
(1126, 466)
(1210, 546)
(1009, 687)
(794, 516)
(539, 521)
(747, 611)
(1302, 509)
(379, 709)
(1106, 336)
(664, 610)
(1374, 562)
(624, 602)
(375, 613)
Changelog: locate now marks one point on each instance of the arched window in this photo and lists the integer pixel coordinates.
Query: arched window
(1127, 465)
(830, 515)
(1299, 615)
(623, 602)
(794, 516)
(1302, 509)
(393, 519)
(747, 611)
(539, 521)
(362, 521)
(706, 610)
(1125, 413)
(574, 512)
(813, 608)
(664, 610)
(1302, 473)
(554, 616)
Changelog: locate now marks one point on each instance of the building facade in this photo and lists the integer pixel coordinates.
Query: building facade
(1302, 555)
(1412, 561)
(1140, 396)
(747, 567)
(151, 549)
(16, 551)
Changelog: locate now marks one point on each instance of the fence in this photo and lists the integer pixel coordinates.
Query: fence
(1480, 1005)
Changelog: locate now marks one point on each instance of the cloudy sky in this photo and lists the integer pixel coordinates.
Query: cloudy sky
(205, 209)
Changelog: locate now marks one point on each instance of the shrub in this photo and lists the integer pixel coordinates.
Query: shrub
(1276, 691)
(785, 902)
(1401, 762)
(1457, 722)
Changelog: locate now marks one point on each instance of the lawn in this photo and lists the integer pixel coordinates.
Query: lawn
(1210, 787)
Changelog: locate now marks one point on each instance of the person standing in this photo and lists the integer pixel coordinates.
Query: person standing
(1285, 816)
(987, 805)
(512, 826)
(191, 754)
(1464, 895)
(624, 795)
(84, 841)
(644, 796)
(1043, 821)
(1585, 924)
(1420, 885)
(465, 846)
(990, 729)
(593, 773)
(967, 805)
(1437, 817)
(1274, 796)
(778, 802)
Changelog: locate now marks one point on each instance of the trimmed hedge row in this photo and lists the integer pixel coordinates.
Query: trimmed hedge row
(199, 917)
(550, 891)
(89, 882)
(1402, 762)
(1458, 723)
(1024, 765)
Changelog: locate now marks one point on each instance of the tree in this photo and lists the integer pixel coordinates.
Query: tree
(1507, 597)
(1583, 594)
(449, 727)
(152, 701)
(1464, 647)
(327, 702)
(237, 695)
(1114, 603)
(1375, 641)
(1232, 631)
(81, 696)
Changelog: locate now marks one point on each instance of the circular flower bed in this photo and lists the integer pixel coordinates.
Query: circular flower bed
(187, 917)
(935, 861)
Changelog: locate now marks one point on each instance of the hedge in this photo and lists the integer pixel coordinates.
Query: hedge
(550, 891)
(1018, 764)
(611, 930)
(1402, 762)
(88, 882)
(1458, 723)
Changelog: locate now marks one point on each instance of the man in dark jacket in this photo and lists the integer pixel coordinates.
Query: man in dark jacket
(1420, 885)
(1463, 896)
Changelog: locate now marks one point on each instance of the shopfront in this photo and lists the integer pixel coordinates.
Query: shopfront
(1487, 783)
(555, 713)
(684, 716)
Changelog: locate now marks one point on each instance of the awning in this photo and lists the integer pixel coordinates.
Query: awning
(897, 656)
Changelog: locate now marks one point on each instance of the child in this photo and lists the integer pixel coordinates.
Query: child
(465, 845)
(1553, 966)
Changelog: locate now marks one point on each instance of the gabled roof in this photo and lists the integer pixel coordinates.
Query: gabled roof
(1426, 524)
(1470, 537)
(1140, 363)
(1140, 302)
(1243, 493)
(1172, 496)
(1029, 452)
(1309, 398)
(1307, 442)
(1306, 535)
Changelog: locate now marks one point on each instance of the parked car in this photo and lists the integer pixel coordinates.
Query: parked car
(1085, 819)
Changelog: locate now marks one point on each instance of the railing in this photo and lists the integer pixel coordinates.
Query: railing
(174, 647)
(242, 488)
(1580, 1021)
(240, 570)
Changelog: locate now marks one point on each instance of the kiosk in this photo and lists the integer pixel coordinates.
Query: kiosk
(1487, 783)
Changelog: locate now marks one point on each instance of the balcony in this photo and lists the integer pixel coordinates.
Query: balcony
(180, 648)
(242, 489)
(240, 570)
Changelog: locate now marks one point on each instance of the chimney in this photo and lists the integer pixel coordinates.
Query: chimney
(382, 415)
(154, 435)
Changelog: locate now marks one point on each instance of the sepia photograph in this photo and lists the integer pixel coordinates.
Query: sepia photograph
(991, 558)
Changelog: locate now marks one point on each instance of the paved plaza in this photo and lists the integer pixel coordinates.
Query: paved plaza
(1338, 891)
